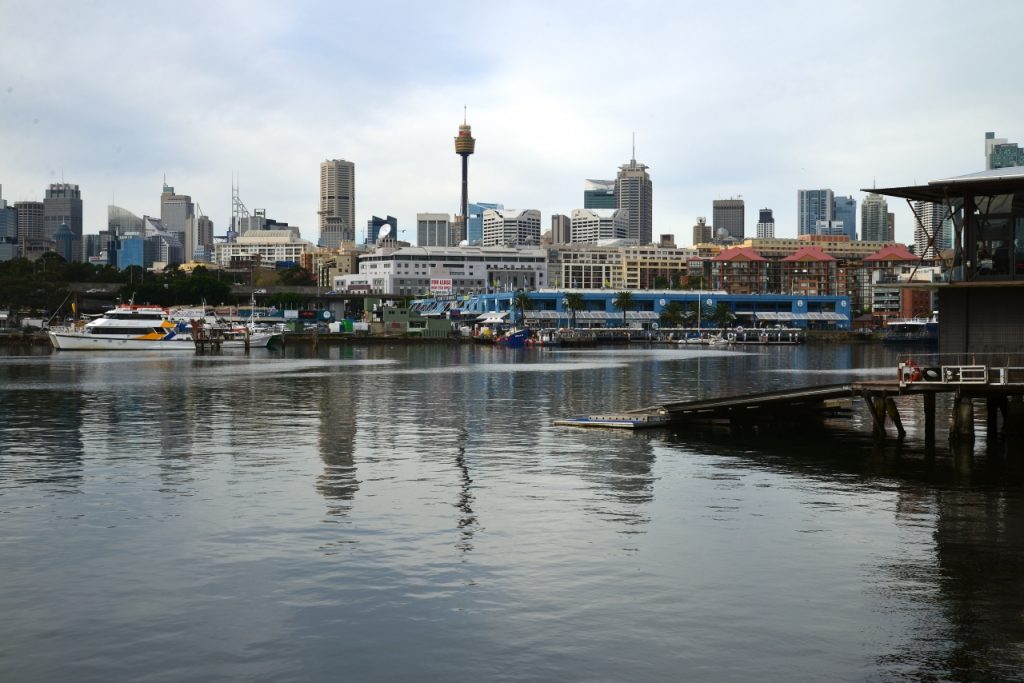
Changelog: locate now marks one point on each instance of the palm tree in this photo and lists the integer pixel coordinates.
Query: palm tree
(574, 302)
(522, 303)
(673, 314)
(623, 302)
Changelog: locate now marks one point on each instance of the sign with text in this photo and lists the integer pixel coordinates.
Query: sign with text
(441, 285)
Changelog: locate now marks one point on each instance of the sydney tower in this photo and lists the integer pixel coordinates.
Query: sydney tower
(464, 146)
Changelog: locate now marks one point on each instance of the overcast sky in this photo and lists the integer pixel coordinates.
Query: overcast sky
(755, 99)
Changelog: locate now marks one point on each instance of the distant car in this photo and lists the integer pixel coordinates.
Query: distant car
(259, 291)
(94, 290)
(331, 293)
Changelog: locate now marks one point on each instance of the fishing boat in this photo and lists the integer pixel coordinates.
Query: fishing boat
(235, 337)
(125, 328)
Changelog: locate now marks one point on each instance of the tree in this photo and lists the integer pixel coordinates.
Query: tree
(574, 302)
(672, 315)
(720, 315)
(296, 276)
(623, 302)
(521, 302)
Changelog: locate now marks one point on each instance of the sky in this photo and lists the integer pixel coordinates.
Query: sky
(749, 99)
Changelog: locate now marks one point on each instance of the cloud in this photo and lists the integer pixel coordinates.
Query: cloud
(747, 99)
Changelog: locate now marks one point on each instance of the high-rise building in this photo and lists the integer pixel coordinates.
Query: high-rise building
(598, 194)
(813, 206)
(590, 226)
(634, 193)
(374, 225)
(766, 225)
(728, 214)
(122, 221)
(30, 227)
(8, 221)
(932, 231)
(561, 229)
(999, 153)
(832, 228)
(178, 215)
(702, 231)
(63, 204)
(64, 241)
(432, 229)
(475, 221)
(891, 220)
(203, 250)
(337, 202)
(845, 211)
(511, 227)
(874, 219)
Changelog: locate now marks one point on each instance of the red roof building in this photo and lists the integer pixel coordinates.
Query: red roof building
(740, 270)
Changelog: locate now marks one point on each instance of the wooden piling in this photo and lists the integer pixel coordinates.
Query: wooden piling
(894, 414)
(929, 419)
(961, 425)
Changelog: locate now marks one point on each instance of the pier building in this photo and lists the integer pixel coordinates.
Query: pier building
(550, 308)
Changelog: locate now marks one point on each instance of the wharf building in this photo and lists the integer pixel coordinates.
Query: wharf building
(599, 194)
(511, 227)
(728, 215)
(634, 194)
(337, 211)
(63, 204)
(766, 225)
(590, 226)
(421, 270)
(549, 308)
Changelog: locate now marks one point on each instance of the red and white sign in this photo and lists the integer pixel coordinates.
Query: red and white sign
(441, 285)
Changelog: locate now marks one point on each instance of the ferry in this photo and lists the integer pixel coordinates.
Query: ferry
(912, 331)
(125, 328)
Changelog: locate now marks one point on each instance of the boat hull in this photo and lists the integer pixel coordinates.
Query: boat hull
(71, 341)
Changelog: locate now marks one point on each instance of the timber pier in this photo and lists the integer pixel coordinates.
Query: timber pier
(1001, 388)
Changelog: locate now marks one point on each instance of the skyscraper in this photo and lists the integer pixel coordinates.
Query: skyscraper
(633, 192)
(337, 202)
(178, 215)
(432, 229)
(874, 221)
(30, 227)
(63, 204)
(561, 229)
(845, 210)
(598, 194)
(930, 225)
(766, 225)
(701, 231)
(1002, 154)
(8, 221)
(813, 206)
(374, 225)
(511, 227)
(590, 226)
(475, 221)
(728, 214)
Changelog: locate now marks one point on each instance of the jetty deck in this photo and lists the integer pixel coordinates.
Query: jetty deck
(795, 408)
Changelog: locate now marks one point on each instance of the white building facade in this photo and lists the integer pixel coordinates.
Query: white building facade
(269, 245)
(590, 226)
(510, 227)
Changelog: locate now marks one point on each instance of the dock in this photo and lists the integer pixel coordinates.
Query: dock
(1001, 388)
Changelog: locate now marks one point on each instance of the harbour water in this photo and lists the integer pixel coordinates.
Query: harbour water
(411, 513)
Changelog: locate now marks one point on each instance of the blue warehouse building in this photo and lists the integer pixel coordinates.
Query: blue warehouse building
(548, 308)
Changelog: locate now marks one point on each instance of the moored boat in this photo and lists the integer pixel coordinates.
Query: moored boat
(125, 328)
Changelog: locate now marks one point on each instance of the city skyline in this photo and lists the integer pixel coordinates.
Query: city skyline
(268, 117)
